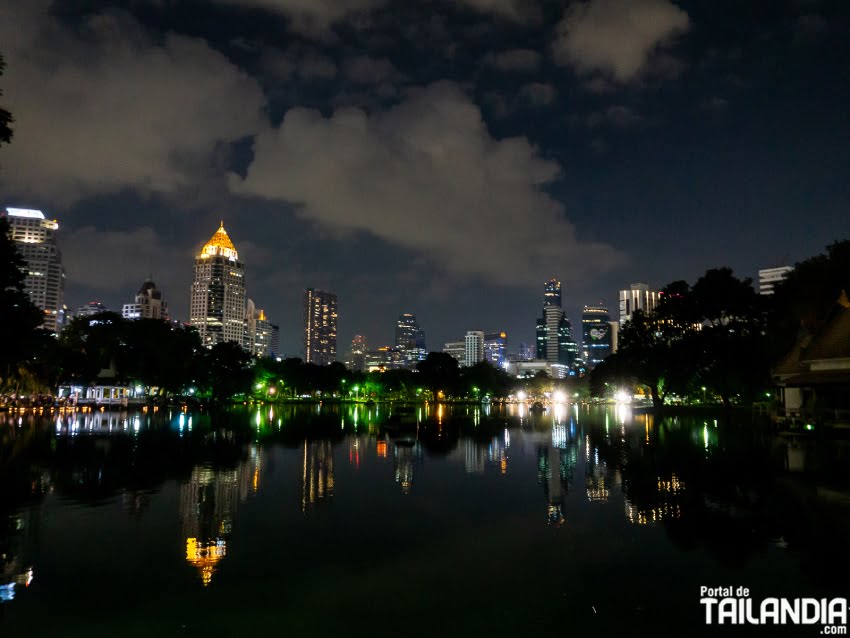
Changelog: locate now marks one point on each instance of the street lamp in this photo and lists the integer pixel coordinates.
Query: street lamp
(703, 394)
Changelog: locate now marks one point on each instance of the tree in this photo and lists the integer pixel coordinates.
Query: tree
(6, 118)
(439, 371)
(225, 371)
(19, 318)
(803, 300)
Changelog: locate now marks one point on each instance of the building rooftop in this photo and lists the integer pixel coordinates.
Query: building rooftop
(220, 245)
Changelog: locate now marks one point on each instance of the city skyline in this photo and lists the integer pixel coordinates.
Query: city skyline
(343, 158)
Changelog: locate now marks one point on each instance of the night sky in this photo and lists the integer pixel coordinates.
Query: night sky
(441, 158)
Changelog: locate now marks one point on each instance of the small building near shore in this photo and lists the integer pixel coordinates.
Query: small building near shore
(815, 375)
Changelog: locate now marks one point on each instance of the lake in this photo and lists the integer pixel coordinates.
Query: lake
(314, 520)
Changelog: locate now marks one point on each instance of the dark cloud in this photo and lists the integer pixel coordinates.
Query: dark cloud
(115, 108)
(426, 175)
(521, 60)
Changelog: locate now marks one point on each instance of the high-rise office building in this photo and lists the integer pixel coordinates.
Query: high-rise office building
(637, 297)
(554, 331)
(258, 332)
(35, 240)
(357, 353)
(496, 348)
(217, 305)
(473, 347)
(320, 321)
(769, 277)
(596, 334)
(552, 293)
(148, 304)
(410, 339)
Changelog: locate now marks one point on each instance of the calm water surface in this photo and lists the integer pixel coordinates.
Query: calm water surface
(300, 520)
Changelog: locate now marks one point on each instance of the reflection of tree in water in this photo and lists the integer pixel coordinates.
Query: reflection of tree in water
(15, 548)
(725, 498)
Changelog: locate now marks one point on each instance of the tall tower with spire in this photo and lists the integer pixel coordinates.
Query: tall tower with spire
(217, 306)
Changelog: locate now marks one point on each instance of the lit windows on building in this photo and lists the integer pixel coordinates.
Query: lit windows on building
(320, 326)
(44, 281)
(638, 297)
(217, 304)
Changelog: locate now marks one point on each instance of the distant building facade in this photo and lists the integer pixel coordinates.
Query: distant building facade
(473, 347)
(455, 349)
(258, 332)
(320, 326)
(554, 331)
(90, 309)
(148, 304)
(639, 296)
(217, 303)
(410, 339)
(496, 348)
(769, 277)
(357, 353)
(596, 334)
(44, 281)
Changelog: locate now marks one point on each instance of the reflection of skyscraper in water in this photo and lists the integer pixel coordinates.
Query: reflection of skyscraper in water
(317, 473)
(595, 477)
(556, 465)
(208, 503)
(404, 464)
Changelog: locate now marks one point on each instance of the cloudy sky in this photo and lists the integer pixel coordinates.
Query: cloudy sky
(436, 157)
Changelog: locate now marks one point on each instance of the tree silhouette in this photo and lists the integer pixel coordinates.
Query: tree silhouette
(6, 118)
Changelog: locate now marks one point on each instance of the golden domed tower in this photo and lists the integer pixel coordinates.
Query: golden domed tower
(217, 307)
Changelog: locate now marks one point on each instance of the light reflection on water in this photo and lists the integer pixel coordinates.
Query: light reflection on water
(593, 475)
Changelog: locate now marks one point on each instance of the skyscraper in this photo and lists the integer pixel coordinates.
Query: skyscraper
(148, 304)
(357, 353)
(596, 334)
(217, 306)
(258, 332)
(552, 293)
(496, 347)
(320, 317)
(35, 240)
(769, 277)
(637, 297)
(554, 331)
(410, 339)
(473, 347)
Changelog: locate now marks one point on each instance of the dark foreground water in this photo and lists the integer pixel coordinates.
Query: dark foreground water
(301, 520)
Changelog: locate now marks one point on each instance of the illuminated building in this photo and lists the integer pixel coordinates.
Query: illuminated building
(258, 332)
(90, 309)
(525, 352)
(552, 293)
(208, 504)
(596, 334)
(320, 318)
(357, 353)
(769, 277)
(217, 305)
(496, 348)
(637, 297)
(410, 339)
(554, 331)
(35, 241)
(385, 358)
(473, 347)
(455, 349)
(148, 304)
(317, 473)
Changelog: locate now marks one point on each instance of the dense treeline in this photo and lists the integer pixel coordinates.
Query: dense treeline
(719, 337)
